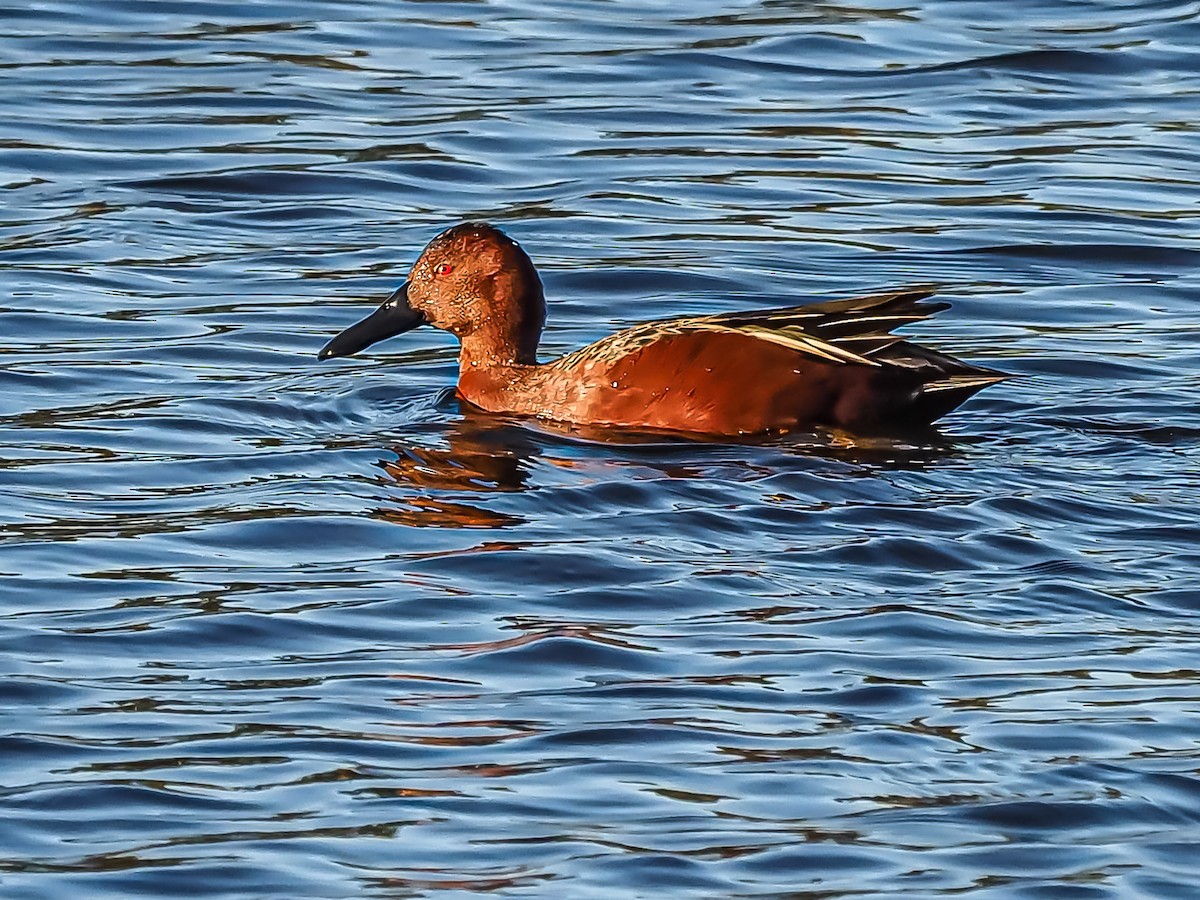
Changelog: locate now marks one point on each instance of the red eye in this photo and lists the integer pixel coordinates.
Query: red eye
(443, 269)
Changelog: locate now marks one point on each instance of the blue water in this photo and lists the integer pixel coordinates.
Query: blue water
(274, 628)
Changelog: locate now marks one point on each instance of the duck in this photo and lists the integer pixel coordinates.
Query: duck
(834, 364)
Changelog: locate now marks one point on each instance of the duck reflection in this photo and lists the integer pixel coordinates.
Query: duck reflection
(482, 455)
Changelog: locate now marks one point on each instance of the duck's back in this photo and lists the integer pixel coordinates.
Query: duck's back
(834, 363)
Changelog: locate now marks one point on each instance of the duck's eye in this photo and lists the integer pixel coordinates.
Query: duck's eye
(443, 269)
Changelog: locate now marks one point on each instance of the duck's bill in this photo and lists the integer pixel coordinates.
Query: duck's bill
(394, 316)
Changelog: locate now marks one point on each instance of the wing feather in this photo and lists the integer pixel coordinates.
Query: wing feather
(850, 331)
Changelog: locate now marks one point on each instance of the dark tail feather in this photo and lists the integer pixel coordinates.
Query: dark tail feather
(940, 397)
(946, 382)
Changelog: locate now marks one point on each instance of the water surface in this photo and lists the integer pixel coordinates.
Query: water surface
(279, 629)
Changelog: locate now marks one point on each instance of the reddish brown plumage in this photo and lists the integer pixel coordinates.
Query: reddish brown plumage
(832, 363)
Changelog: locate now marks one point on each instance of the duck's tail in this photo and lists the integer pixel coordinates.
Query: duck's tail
(946, 382)
(937, 398)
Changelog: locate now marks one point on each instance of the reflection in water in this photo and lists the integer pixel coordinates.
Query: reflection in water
(483, 457)
(489, 455)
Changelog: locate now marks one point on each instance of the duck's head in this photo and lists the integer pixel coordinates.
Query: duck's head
(472, 280)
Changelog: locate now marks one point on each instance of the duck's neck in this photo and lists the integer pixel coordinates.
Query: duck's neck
(498, 360)
(498, 381)
(489, 349)
(517, 312)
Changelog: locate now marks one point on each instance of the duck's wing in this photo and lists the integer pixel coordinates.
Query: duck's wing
(836, 362)
(855, 331)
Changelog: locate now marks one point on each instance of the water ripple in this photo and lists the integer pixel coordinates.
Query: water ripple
(289, 630)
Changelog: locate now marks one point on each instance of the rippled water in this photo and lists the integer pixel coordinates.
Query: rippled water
(279, 629)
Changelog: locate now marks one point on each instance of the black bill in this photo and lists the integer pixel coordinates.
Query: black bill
(394, 316)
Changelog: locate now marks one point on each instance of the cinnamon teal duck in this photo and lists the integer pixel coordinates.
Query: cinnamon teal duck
(836, 364)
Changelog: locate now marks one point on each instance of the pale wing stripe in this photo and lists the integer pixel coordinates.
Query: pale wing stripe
(961, 381)
(877, 342)
(894, 321)
(797, 340)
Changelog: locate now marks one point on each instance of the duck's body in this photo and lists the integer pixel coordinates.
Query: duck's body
(835, 364)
